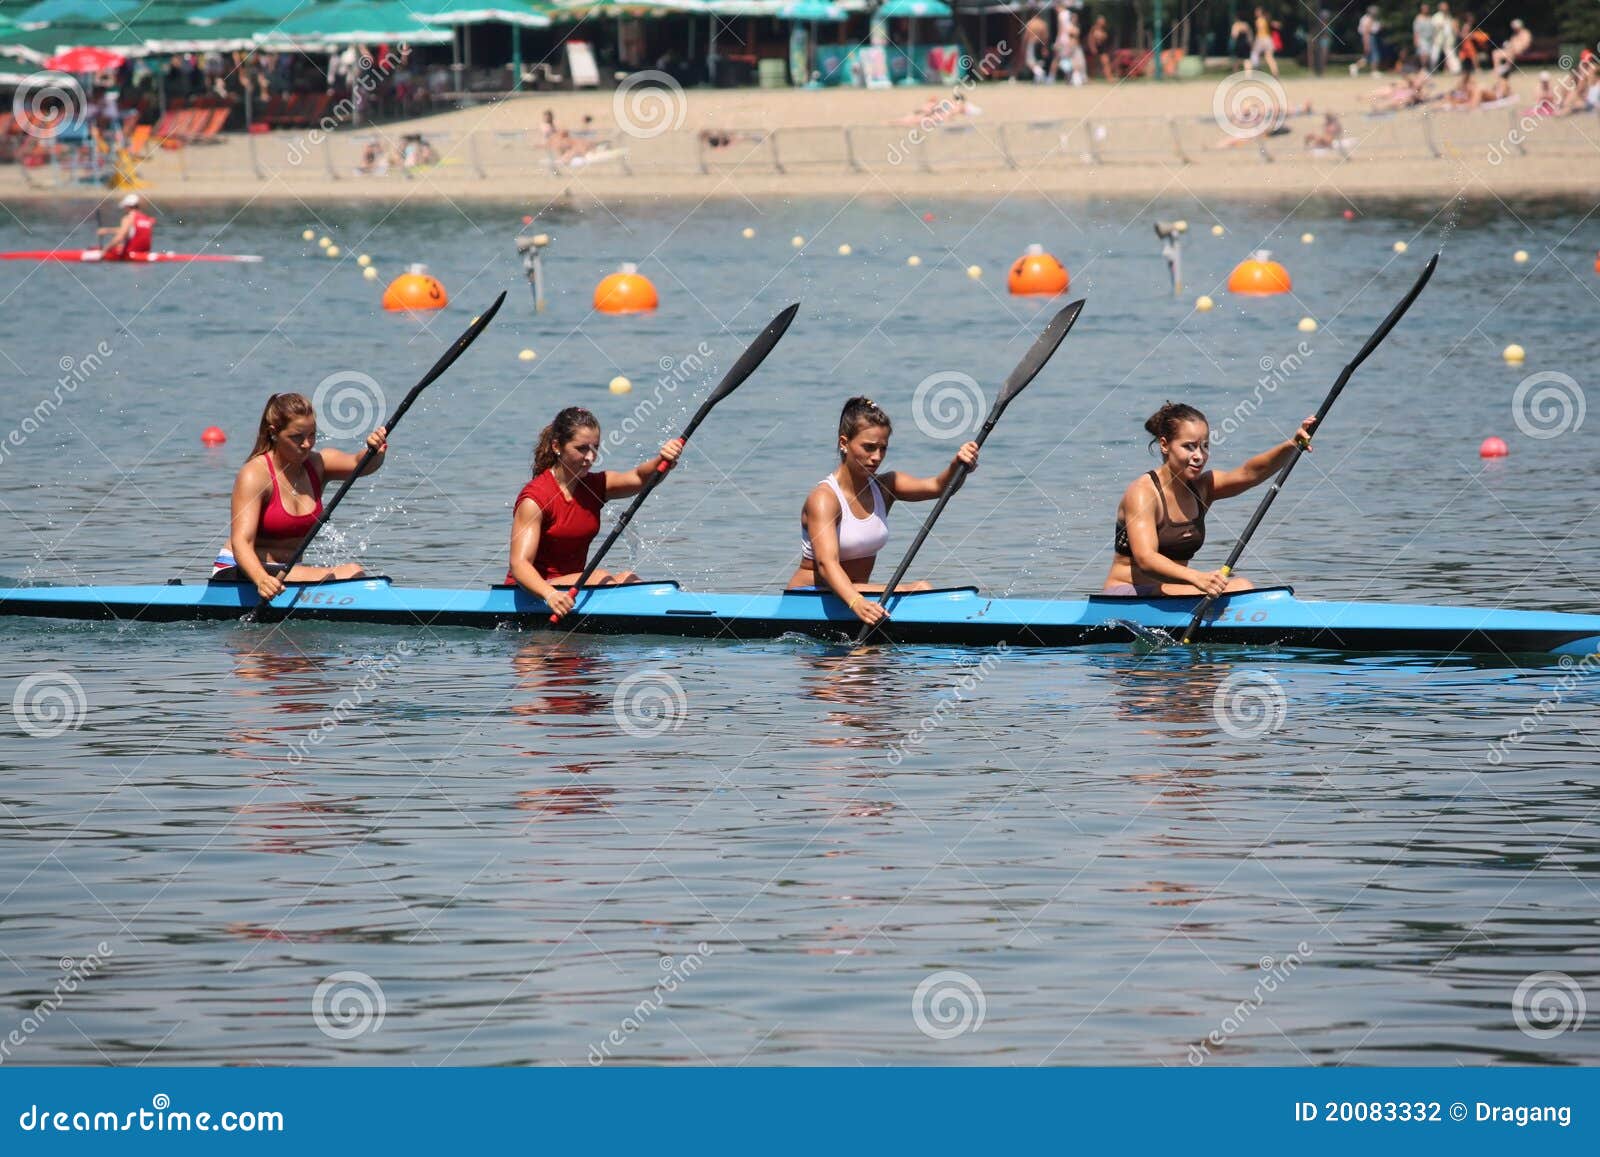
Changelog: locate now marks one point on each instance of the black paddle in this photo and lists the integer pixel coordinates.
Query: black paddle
(1027, 369)
(1378, 335)
(731, 381)
(439, 367)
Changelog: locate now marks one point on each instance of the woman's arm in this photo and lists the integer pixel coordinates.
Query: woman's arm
(338, 465)
(251, 489)
(1227, 483)
(626, 483)
(526, 522)
(906, 488)
(821, 519)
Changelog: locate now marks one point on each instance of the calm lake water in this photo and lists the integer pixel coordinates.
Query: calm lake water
(307, 844)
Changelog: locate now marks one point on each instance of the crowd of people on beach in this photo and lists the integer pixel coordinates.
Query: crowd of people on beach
(1069, 54)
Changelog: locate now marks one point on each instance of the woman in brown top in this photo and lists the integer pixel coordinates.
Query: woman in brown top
(1161, 520)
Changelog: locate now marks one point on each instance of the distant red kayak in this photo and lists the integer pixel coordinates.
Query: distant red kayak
(94, 255)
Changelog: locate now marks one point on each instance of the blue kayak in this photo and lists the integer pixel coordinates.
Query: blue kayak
(961, 615)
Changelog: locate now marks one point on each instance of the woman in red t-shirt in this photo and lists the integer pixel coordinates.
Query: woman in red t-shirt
(557, 514)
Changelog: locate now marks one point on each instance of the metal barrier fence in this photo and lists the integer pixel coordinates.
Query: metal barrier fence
(315, 156)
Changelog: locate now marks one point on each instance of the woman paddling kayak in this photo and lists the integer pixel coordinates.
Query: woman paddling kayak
(557, 514)
(1161, 520)
(844, 523)
(277, 498)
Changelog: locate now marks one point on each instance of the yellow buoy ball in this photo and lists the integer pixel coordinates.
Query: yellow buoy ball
(1217, 230)
(1514, 353)
(620, 385)
(370, 273)
(974, 271)
(1400, 246)
(308, 235)
(363, 261)
(1307, 238)
(797, 241)
(324, 241)
(625, 291)
(845, 251)
(1520, 257)
(1308, 325)
(332, 251)
(416, 289)
(913, 261)
(526, 356)
(1204, 304)
(748, 233)
(1181, 225)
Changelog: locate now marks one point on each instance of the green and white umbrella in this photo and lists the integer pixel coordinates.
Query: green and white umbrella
(355, 22)
(469, 12)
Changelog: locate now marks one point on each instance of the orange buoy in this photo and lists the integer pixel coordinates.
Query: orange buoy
(213, 436)
(415, 289)
(625, 291)
(1036, 273)
(1493, 447)
(1597, 262)
(1259, 276)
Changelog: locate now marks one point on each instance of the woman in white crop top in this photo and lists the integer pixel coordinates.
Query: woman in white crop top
(844, 523)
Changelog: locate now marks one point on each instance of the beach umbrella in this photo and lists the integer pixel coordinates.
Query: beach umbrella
(468, 12)
(48, 12)
(911, 10)
(260, 12)
(355, 22)
(81, 60)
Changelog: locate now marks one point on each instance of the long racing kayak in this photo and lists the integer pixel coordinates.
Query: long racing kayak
(96, 256)
(961, 615)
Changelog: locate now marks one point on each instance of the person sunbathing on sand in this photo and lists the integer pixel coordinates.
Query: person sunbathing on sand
(936, 110)
(1328, 136)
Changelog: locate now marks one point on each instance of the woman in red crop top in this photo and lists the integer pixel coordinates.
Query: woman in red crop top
(1161, 520)
(557, 515)
(277, 498)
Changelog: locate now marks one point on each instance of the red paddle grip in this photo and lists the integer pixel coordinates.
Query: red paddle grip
(664, 467)
(573, 593)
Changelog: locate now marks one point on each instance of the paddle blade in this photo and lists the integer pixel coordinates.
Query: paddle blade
(753, 356)
(1044, 346)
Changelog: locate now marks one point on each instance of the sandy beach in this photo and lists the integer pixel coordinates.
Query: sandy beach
(1132, 138)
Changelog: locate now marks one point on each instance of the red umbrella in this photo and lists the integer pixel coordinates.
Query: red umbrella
(85, 60)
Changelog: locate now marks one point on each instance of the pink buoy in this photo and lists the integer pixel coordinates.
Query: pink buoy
(213, 436)
(1493, 448)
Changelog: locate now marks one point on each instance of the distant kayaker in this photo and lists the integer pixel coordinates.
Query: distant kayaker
(277, 498)
(844, 523)
(557, 514)
(132, 235)
(1161, 520)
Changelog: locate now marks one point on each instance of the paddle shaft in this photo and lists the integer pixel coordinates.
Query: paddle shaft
(439, 367)
(1300, 448)
(752, 357)
(1038, 354)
